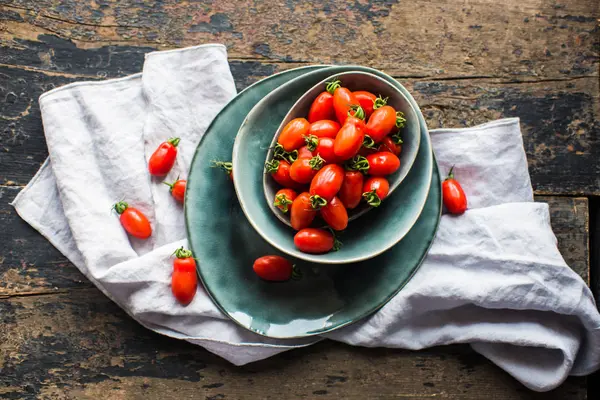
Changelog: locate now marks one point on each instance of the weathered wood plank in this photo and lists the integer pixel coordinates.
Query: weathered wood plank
(426, 38)
(83, 346)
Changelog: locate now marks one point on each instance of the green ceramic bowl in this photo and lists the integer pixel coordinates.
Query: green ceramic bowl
(326, 297)
(364, 238)
(355, 80)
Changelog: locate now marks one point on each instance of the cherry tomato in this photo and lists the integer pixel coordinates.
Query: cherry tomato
(184, 279)
(453, 194)
(383, 163)
(163, 158)
(324, 128)
(273, 268)
(315, 241)
(348, 142)
(302, 213)
(321, 108)
(177, 189)
(292, 135)
(358, 122)
(366, 100)
(326, 184)
(351, 191)
(335, 214)
(283, 199)
(343, 100)
(280, 171)
(225, 166)
(304, 152)
(325, 150)
(304, 169)
(381, 123)
(133, 220)
(392, 145)
(375, 190)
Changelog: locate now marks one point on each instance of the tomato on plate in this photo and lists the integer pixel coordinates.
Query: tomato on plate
(381, 123)
(453, 194)
(335, 214)
(283, 199)
(273, 268)
(348, 142)
(163, 158)
(280, 171)
(393, 144)
(133, 220)
(325, 150)
(302, 212)
(184, 279)
(177, 189)
(350, 193)
(315, 241)
(343, 100)
(321, 108)
(304, 152)
(326, 184)
(366, 101)
(383, 163)
(324, 128)
(304, 169)
(375, 190)
(292, 135)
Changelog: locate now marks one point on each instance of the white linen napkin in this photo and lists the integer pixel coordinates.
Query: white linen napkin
(493, 278)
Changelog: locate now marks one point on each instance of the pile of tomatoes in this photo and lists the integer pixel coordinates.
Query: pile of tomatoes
(332, 160)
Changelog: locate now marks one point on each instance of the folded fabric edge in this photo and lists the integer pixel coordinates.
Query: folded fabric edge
(88, 83)
(486, 125)
(184, 49)
(22, 192)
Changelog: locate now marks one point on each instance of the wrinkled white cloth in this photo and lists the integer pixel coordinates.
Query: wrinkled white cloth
(493, 278)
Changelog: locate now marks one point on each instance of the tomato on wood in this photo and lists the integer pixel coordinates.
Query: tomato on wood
(284, 198)
(324, 128)
(133, 220)
(163, 158)
(184, 279)
(321, 108)
(315, 241)
(453, 194)
(304, 169)
(177, 189)
(350, 193)
(292, 135)
(273, 268)
(335, 214)
(326, 184)
(375, 189)
(383, 163)
(302, 212)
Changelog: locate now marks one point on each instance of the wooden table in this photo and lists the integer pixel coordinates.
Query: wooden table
(466, 62)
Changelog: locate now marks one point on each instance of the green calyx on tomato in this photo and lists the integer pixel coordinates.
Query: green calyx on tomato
(316, 162)
(372, 198)
(171, 184)
(357, 111)
(450, 175)
(397, 139)
(282, 201)
(296, 273)
(182, 253)
(358, 163)
(400, 120)
(331, 86)
(279, 153)
(316, 202)
(120, 207)
(312, 142)
(379, 102)
(337, 244)
(272, 166)
(225, 166)
(368, 142)
(174, 141)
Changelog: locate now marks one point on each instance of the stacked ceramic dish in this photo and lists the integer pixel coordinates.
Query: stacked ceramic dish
(229, 226)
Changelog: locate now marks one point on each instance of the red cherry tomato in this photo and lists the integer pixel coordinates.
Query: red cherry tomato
(325, 150)
(184, 279)
(375, 190)
(321, 108)
(351, 191)
(315, 241)
(292, 135)
(280, 171)
(133, 220)
(283, 199)
(366, 100)
(381, 123)
(326, 183)
(302, 213)
(324, 128)
(383, 163)
(343, 100)
(348, 142)
(359, 123)
(273, 268)
(163, 158)
(177, 189)
(389, 144)
(335, 214)
(453, 194)
(304, 152)
(303, 170)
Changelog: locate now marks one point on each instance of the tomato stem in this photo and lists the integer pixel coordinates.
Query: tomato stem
(450, 173)
(372, 198)
(358, 112)
(120, 207)
(316, 202)
(379, 102)
(312, 142)
(397, 139)
(282, 202)
(316, 162)
(331, 86)
(182, 253)
(358, 163)
(296, 273)
(279, 153)
(400, 120)
(368, 142)
(225, 166)
(272, 166)
(174, 141)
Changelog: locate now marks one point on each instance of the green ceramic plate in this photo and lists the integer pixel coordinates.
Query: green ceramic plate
(226, 245)
(365, 237)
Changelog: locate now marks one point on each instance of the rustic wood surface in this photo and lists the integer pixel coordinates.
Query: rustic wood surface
(466, 62)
